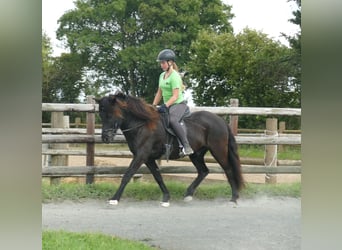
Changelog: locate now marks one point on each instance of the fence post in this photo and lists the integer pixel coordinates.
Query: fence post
(46, 159)
(282, 127)
(271, 150)
(90, 145)
(59, 121)
(77, 122)
(234, 118)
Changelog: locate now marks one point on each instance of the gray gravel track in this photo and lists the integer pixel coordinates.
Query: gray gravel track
(261, 223)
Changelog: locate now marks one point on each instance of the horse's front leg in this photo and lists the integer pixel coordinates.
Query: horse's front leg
(153, 167)
(132, 169)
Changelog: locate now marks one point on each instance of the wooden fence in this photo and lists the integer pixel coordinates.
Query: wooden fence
(62, 135)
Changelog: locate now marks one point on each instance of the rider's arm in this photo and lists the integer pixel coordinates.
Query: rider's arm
(157, 97)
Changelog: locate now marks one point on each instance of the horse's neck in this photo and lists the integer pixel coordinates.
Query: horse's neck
(127, 125)
(131, 123)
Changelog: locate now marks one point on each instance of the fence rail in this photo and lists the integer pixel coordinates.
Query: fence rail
(63, 107)
(64, 171)
(91, 135)
(269, 140)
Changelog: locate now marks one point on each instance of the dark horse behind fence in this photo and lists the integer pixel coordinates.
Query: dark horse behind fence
(146, 137)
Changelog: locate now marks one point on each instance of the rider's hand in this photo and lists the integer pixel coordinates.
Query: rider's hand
(162, 109)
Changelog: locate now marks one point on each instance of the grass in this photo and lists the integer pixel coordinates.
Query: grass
(56, 240)
(150, 191)
(258, 151)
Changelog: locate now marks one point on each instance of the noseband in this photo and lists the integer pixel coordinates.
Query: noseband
(113, 129)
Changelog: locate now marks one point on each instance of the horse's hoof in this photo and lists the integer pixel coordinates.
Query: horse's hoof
(113, 202)
(165, 204)
(188, 198)
(233, 203)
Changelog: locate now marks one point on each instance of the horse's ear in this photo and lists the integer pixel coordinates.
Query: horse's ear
(121, 95)
(112, 98)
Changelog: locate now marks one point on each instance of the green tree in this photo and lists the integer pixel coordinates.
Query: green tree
(62, 76)
(295, 44)
(47, 68)
(249, 66)
(67, 80)
(121, 38)
(295, 41)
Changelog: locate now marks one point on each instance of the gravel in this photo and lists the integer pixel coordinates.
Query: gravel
(260, 223)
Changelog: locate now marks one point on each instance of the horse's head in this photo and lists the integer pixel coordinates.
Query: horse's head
(110, 110)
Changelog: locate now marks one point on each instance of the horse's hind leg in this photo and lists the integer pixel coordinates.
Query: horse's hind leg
(153, 167)
(202, 171)
(231, 180)
(221, 156)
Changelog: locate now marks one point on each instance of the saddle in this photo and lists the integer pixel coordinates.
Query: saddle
(170, 134)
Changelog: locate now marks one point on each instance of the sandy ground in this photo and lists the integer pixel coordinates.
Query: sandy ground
(107, 161)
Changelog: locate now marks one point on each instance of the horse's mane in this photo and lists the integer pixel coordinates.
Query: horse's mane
(139, 108)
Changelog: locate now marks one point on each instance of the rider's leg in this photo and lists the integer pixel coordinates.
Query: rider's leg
(176, 112)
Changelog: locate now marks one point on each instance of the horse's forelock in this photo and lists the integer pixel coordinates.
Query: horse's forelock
(122, 104)
(118, 106)
(115, 104)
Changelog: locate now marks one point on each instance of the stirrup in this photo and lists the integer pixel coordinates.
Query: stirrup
(185, 152)
(188, 151)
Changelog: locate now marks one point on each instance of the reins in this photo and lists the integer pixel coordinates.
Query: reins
(126, 130)
(137, 126)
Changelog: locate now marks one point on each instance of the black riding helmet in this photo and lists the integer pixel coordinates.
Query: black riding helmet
(166, 55)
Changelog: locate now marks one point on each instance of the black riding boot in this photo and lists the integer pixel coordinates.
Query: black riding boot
(180, 132)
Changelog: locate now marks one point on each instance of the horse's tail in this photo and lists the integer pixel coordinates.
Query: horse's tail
(234, 160)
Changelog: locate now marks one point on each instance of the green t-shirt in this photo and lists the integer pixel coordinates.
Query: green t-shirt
(174, 81)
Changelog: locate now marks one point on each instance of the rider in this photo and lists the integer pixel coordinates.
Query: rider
(170, 88)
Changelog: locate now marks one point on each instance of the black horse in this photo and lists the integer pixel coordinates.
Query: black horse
(146, 137)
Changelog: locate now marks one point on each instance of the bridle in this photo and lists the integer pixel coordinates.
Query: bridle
(116, 126)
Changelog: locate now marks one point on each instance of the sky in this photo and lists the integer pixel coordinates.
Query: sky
(268, 16)
(52, 10)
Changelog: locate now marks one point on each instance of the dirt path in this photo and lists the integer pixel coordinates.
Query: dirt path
(262, 223)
